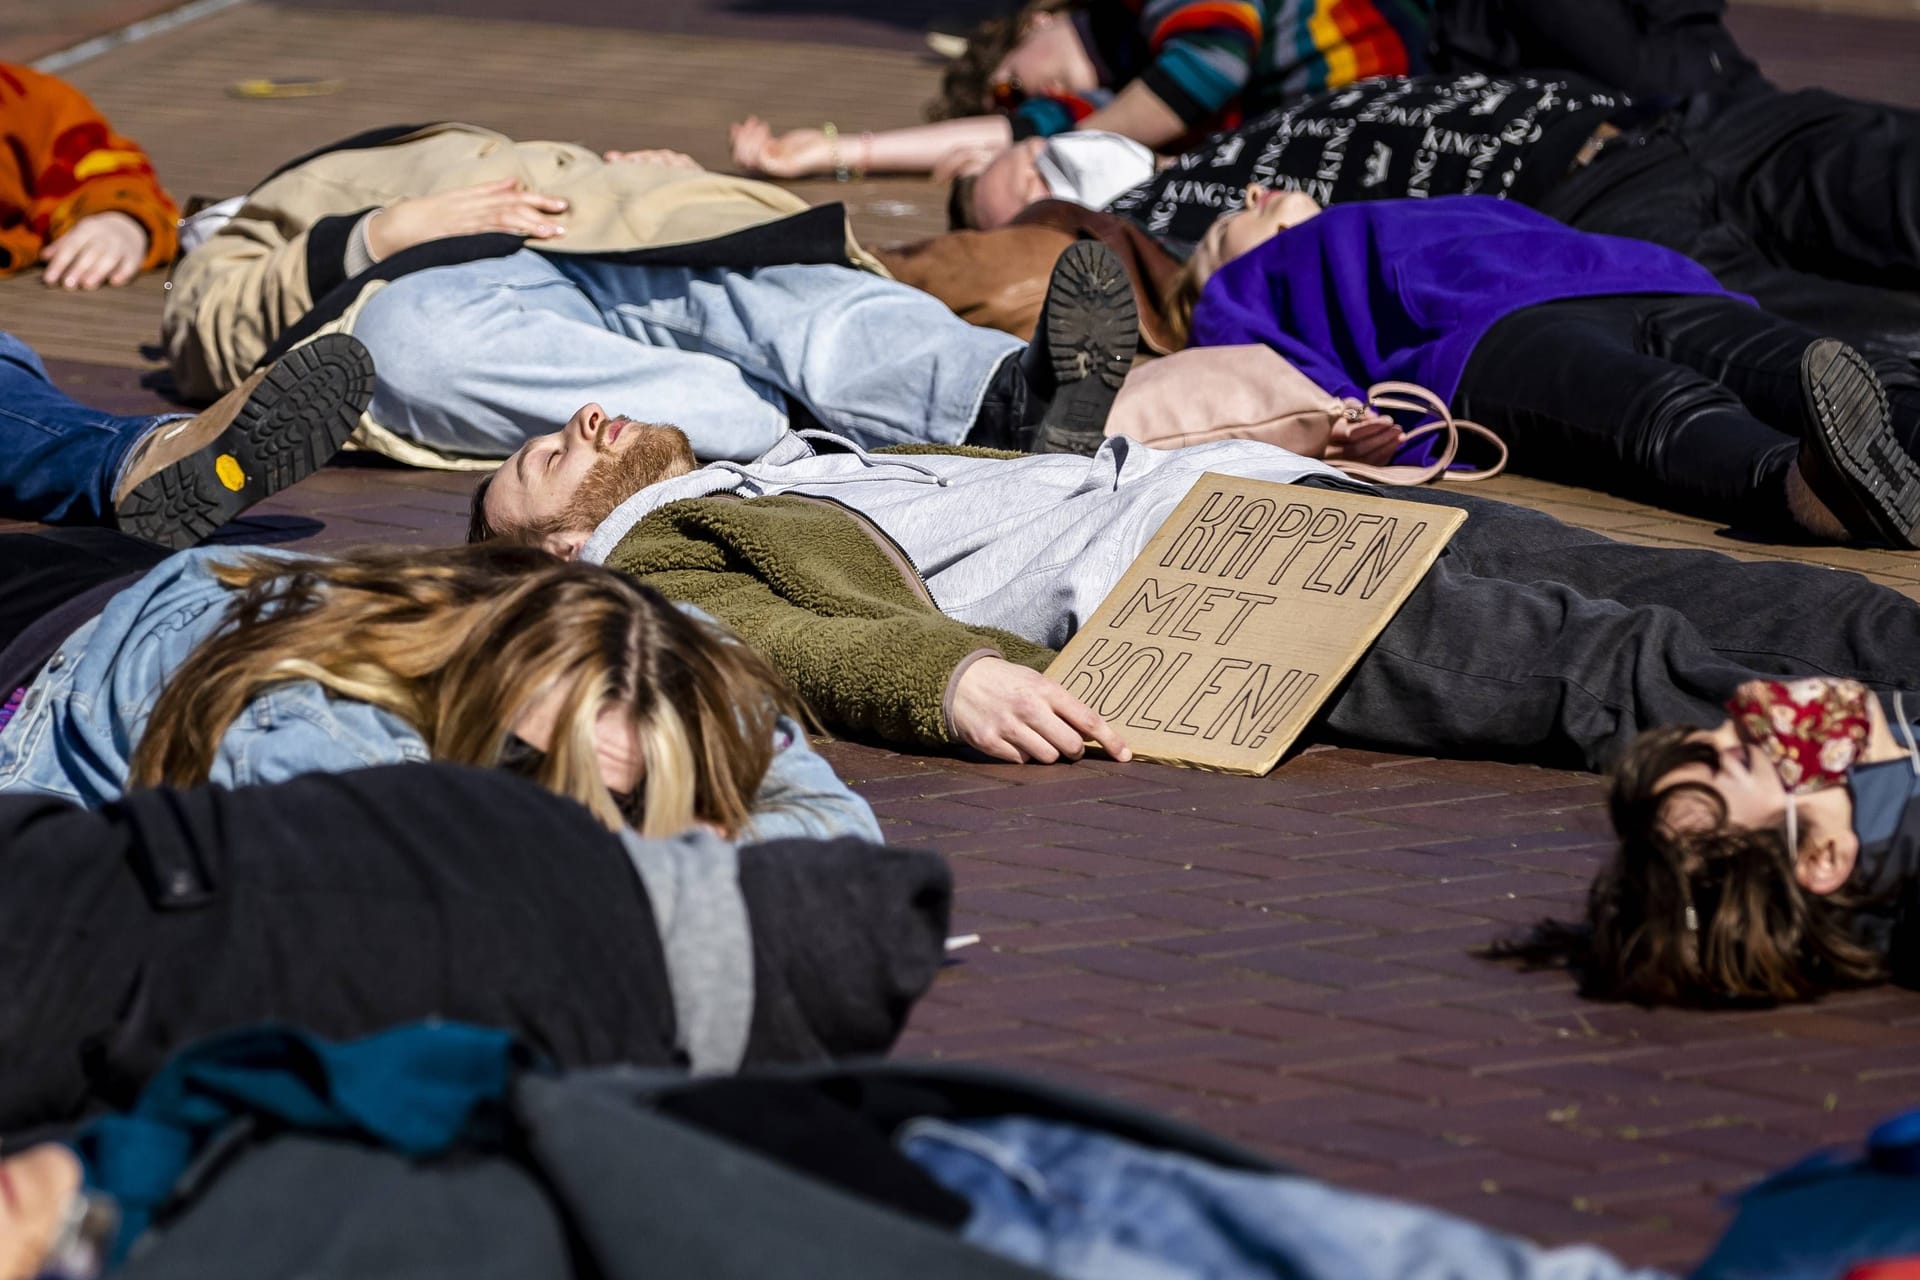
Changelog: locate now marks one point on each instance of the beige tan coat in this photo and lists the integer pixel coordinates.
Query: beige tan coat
(233, 296)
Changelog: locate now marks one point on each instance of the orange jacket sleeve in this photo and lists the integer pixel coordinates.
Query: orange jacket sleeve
(62, 163)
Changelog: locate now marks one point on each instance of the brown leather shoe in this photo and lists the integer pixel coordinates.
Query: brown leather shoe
(1850, 458)
(192, 475)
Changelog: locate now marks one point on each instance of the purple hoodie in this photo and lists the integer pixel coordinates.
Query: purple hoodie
(1404, 289)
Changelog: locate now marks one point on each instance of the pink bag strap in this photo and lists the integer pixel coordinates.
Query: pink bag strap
(1417, 399)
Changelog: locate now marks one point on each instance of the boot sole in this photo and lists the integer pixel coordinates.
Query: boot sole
(297, 418)
(1093, 328)
(1854, 445)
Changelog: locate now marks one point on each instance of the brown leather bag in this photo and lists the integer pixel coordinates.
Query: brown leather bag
(999, 278)
(996, 279)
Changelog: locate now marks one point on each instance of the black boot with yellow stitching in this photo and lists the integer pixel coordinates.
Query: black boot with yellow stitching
(192, 475)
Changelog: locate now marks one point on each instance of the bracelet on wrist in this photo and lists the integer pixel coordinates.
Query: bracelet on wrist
(840, 171)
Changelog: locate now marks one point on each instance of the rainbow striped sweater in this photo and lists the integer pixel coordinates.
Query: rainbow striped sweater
(1214, 61)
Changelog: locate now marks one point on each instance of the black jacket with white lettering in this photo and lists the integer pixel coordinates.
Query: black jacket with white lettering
(1510, 136)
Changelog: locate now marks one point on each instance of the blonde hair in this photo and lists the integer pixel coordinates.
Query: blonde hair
(461, 643)
(1180, 297)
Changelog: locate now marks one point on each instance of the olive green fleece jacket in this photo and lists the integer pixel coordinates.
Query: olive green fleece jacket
(806, 583)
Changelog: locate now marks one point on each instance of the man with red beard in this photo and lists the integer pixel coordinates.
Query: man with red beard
(918, 596)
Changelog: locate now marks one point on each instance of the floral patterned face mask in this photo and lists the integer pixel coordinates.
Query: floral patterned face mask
(1813, 730)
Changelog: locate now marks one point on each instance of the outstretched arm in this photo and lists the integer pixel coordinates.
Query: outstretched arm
(234, 295)
(925, 148)
(803, 798)
(1141, 114)
(1203, 52)
(914, 678)
(863, 650)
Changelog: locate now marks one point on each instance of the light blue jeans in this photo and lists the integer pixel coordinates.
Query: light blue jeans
(1079, 1204)
(475, 358)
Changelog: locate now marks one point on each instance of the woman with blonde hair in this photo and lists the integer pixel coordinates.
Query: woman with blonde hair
(240, 666)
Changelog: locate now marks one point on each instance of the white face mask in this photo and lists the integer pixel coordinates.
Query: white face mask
(1092, 169)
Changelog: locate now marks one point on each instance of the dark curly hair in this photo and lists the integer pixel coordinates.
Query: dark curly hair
(1697, 917)
(966, 83)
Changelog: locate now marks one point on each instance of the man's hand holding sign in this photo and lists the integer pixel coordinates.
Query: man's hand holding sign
(1239, 618)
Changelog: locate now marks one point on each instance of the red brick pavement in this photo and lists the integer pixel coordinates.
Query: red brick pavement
(1289, 959)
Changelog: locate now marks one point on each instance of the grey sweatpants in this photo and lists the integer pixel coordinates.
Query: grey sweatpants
(1532, 639)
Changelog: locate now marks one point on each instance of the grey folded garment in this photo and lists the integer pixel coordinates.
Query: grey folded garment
(793, 950)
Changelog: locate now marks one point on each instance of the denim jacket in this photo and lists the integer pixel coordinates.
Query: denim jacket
(75, 731)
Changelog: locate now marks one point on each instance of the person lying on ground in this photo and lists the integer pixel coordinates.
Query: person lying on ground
(1511, 136)
(1718, 179)
(348, 903)
(441, 1150)
(73, 193)
(1774, 856)
(126, 668)
(1652, 49)
(494, 281)
(173, 479)
(1159, 71)
(1782, 194)
(1600, 361)
(918, 597)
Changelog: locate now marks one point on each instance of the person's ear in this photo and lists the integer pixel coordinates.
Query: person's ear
(566, 545)
(1822, 867)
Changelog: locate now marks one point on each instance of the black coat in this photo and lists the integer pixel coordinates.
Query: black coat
(627, 1175)
(1656, 51)
(349, 903)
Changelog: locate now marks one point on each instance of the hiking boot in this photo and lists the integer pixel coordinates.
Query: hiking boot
(1082, 348)
(1850, 459)
(190, 476)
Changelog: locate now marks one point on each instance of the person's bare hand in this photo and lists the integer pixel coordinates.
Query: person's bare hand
(671, 159)
(41, 1183)
(1011, 712)
(101, 248)
(504, 205)
(793, 154)
(1372, 438)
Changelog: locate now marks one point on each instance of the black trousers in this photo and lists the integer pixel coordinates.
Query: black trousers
(47, 575)
(1534, 640)
(1689, 402)
(1808, 201)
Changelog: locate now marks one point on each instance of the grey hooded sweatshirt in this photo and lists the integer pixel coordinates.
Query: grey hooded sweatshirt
(1030, 545)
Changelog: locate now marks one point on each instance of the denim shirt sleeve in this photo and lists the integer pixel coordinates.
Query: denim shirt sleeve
(803, 798)
(299, 728)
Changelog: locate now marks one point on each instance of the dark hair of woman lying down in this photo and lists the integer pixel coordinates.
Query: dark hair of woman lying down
(1774, 857)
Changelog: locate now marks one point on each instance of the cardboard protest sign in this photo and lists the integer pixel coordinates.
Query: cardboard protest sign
(1242, 615)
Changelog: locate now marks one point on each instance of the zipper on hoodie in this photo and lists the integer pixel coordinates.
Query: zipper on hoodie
(888, 547)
